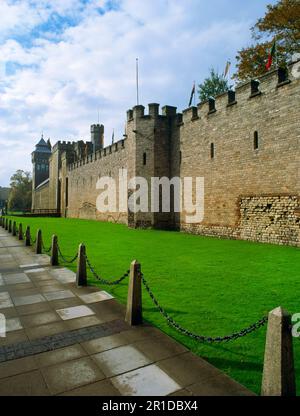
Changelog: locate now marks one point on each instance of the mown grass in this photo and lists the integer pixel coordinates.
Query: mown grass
(210, 286)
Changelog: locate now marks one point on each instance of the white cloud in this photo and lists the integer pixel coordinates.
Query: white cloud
(62, 79)
(17, 16)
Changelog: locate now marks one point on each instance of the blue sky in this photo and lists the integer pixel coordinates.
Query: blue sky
(62, 61)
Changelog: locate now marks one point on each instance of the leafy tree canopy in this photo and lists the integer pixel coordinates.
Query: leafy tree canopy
(281, 22)
(21, 189)
(212, 86)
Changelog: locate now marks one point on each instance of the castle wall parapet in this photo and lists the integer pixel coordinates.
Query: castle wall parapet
(63, 145)
(243, 142)
(138, 112)
(99, 154)
(249, 90)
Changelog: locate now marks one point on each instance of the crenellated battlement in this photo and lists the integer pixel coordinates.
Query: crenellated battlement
(138, 112)
(99, 154)
(63, 146)
(244, 143)
(265, 85)
(253, 89)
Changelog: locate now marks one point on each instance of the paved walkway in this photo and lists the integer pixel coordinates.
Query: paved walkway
(64, 340)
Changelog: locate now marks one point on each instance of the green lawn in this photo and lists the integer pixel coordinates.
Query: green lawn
(211, 286)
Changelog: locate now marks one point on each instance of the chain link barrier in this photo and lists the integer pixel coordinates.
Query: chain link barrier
(201, 338)
(64, 257)
(104, 281)
(197, 337)
(46, 250)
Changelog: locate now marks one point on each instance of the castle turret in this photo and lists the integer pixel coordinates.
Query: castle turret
(97, 136)
(152, 145)
(40, 161)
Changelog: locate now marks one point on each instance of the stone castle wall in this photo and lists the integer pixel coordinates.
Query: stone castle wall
(40, 198)
(237, 168)
(82, 180)
(272, 219)
(252, 185)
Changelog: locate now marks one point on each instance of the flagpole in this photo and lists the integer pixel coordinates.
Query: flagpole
(276, 55)
(137, 81)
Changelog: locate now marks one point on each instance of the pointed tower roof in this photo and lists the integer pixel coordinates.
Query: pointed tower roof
(42, 142)
(42, 146)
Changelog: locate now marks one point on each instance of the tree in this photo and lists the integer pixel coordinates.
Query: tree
(212, 86)
(20, 192)
(281, 22)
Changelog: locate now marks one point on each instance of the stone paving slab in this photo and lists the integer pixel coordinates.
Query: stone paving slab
(106, 343)
(96, 297)
(60, 355)
(75, 312)
(13, 324)
(148, 381)
(101, 388)
(59, 294)
(120, 360)
(71, 374)
(64, 340)
(38, 319)
(14, 278)
(25, 384)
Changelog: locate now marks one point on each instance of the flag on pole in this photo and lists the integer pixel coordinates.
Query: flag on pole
(227, 67)
(271, 56)
(113, 137)
(192, 95)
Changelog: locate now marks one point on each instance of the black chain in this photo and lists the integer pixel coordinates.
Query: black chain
(103, 281)
(46, 250)
(64, 258)
(197, 337)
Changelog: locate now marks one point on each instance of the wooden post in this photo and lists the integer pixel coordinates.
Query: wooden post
(6, 224)
(54, 251)
(134, 315)
(27, 236)
(81, 279)
(20, 232)
(14, 229)
(9, 226)
(279, 372)
(38, 243)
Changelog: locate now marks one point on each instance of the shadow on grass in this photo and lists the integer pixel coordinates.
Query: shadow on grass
(234, 365)
(169, 311)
